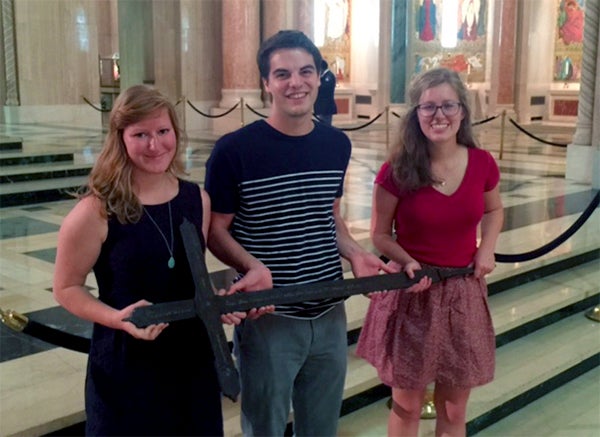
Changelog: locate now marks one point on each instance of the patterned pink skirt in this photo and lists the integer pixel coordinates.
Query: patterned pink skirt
(443, 334)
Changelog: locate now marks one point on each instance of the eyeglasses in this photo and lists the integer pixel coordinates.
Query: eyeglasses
(448, 108)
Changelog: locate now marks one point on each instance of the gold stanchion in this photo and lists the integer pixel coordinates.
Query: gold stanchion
(502, 134)
(594, 314)
(387, 127)
(242, 110)
(48, 333)
(14, 320)
(428, 408)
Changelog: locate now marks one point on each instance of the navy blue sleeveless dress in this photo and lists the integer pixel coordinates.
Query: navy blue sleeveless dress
(163, 387)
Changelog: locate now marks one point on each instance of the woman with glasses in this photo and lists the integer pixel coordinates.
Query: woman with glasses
(431, 197)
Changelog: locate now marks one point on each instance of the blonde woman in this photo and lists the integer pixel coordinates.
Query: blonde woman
(158, 380)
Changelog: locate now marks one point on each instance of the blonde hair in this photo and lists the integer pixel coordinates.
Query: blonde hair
(111, 177)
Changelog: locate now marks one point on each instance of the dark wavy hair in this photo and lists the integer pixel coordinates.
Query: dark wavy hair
(409, 157)
(285, 39)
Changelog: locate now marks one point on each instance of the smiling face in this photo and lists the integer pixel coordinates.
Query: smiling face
(293, 83)
(440, 128)
(151, 143)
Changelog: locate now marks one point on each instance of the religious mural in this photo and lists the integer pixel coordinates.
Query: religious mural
(568, 48)
(468, 55)
(336, 36)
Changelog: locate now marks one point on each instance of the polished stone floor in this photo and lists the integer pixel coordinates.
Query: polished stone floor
(41, 385)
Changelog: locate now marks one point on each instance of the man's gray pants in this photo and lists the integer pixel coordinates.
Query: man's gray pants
(283, 360)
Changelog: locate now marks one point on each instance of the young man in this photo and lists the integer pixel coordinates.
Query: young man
(276, 186)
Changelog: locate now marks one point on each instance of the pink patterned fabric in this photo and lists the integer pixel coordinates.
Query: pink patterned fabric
(443, 334)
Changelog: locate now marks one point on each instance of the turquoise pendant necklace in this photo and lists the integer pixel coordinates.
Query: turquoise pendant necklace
(171, 262)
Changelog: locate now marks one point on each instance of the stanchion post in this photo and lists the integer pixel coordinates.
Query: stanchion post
(242, 110)
(594, 314)
(427, 408)
(387, 127)
(502, 133)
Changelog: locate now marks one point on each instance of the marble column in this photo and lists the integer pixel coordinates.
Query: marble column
(10, 57)
(522, 106)
(167, 47)
(583, 155)
(136, 42)
(304, 13)
(151, 45)
(201, 61)
(241, 38)
(108, 28)
(399, 74)
(275, 17)
(595, 145)
(504, 47)
(506, 88)
(385, 55)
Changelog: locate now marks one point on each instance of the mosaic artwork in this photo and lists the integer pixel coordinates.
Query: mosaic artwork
(450, 34)
(568, 47)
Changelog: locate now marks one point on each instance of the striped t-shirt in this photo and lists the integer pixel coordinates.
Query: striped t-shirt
(281, 190)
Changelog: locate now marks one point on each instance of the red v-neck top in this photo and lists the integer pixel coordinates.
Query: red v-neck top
(439, 229)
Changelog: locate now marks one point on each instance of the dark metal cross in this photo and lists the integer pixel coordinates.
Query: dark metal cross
(208, 306)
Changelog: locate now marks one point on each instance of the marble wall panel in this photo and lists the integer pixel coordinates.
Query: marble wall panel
(57, 51)
(565, 107)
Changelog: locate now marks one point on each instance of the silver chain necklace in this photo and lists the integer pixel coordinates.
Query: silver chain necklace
(171, 262)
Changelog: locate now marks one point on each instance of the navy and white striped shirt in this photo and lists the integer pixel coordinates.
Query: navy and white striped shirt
(281, 190)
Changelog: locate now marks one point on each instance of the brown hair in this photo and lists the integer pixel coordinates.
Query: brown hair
(111, 177)
(409, 157)
(285, 39)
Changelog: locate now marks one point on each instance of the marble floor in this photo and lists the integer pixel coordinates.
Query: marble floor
(41, 385)
(569, 411)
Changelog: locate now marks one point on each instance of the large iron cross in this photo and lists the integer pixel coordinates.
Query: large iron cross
(208, 306)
